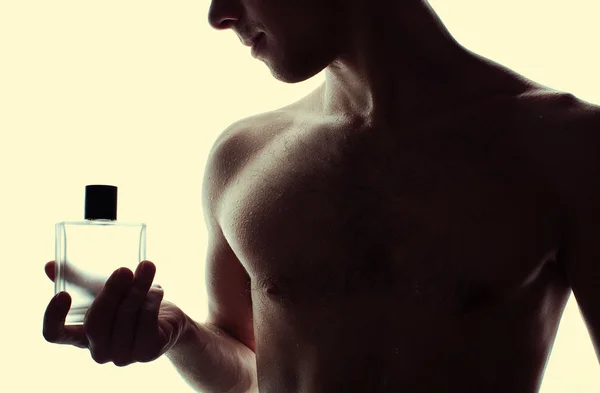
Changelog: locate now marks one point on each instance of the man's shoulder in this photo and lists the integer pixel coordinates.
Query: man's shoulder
(235, 147)
(581, 118)
(255, 131)
(567, 144)
(574, 127)
(248, 135)
(578, 139)
(252, 130)
(556, 122)
(562, 107)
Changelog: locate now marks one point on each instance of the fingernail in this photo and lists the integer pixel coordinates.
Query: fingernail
(155, 293)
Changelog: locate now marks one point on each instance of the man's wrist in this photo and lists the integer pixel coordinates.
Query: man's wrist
(186, 336)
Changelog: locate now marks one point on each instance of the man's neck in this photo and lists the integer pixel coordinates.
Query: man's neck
(402, 62)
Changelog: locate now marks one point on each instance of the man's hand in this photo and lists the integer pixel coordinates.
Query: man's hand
(128, 321)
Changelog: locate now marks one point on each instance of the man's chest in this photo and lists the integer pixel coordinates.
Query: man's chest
(445, 219)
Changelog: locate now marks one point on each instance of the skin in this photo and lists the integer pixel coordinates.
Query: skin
(406, 227)
(416, 219)
(128, 321)
(383, 60)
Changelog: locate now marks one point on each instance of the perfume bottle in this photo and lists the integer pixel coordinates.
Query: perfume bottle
(88, 252)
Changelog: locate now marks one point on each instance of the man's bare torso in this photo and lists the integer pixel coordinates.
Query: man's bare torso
(415, 258)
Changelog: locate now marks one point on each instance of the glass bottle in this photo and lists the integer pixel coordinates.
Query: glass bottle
(88, 252)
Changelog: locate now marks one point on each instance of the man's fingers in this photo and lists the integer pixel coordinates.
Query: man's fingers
(50, 270)
(54, 329)
(54, 317)
(126, 317)
(100, 318)
(147, 334)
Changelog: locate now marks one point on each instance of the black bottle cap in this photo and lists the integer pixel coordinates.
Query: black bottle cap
(100, 202)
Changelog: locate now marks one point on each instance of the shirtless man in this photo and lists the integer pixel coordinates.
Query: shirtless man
(415, 224)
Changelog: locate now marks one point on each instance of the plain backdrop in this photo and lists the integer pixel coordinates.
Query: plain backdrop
(133, 93)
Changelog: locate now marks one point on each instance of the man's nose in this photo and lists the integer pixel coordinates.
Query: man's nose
(223, 14)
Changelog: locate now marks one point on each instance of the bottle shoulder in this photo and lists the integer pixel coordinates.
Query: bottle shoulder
(102, 223)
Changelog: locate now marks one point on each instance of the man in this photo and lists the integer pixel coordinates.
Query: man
(415, 224)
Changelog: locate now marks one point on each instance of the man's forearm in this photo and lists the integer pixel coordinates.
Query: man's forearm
(212, 361)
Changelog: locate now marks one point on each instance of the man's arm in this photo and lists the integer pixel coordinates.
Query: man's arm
(218, 355)
(212, 361)
(577, 173)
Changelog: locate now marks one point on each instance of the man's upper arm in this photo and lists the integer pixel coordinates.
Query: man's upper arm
(578, 173)
(227, 282)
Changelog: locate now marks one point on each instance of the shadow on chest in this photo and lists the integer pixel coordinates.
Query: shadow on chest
(436, 222)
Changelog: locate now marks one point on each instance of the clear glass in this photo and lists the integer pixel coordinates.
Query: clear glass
(88, 252)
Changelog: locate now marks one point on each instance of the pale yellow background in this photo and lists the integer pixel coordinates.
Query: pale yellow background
(133, 93)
